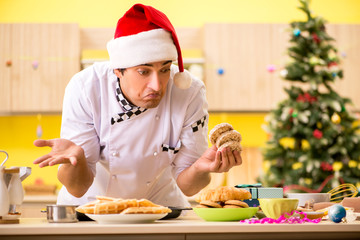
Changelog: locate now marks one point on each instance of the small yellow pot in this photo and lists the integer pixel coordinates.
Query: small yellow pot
(275, 207)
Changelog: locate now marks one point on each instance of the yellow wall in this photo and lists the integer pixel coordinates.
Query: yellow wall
(17, 136)
(18, 132)
(105, 13)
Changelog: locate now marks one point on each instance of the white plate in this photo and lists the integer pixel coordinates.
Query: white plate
(125, 218)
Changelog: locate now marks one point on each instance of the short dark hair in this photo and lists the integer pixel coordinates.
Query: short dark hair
(121, 70)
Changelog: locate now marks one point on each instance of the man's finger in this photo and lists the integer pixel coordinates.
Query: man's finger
(43, 143)
(238, 158)
(73, 160)
(45, 163)
(41, 159)
(217, 162)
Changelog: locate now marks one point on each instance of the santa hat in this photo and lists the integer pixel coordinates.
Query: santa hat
(145, 35)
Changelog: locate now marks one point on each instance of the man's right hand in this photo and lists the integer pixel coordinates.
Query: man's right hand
(63, 152)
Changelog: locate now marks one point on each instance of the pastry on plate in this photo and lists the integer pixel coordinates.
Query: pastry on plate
(106, 205)
(224, 197)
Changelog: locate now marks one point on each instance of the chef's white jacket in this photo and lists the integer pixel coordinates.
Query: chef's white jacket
(139, 157)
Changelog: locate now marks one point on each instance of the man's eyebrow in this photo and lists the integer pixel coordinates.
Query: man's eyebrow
(150, 65)
(167, 62)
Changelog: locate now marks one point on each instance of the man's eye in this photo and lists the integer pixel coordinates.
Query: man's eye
(165, 70)
(142, 72)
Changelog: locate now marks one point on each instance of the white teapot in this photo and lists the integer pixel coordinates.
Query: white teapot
(4, 194)
(11, 189)
(15, 189)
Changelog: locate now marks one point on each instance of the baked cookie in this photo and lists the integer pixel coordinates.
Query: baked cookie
(233, 145)
(218, 130)
(210, 204)
(231, 135)
(231, 206)
(201, 206)
(237, 203)
(222, 194)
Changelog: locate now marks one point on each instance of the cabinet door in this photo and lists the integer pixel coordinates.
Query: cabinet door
(45, 57)
(243, 52)
(5, 67)
(348, 45)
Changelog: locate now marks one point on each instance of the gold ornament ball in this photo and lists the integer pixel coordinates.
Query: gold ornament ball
(335, 118)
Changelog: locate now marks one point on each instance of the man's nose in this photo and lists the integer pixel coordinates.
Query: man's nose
(155, 82)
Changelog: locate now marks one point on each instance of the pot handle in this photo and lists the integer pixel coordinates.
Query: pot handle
(6, 158)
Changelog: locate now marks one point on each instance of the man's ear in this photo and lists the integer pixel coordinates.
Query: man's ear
(117, 73)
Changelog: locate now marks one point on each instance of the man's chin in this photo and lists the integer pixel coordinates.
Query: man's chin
(151, 104)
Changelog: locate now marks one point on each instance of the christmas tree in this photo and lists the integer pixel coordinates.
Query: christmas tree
(314, 143)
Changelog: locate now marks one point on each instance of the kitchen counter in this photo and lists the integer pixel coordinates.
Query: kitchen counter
(187, 227)
(33, 204)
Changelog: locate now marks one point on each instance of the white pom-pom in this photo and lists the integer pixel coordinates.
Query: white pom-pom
(182, 80)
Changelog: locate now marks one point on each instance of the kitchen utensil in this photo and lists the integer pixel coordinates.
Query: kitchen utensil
(4, 194)
(24, 173)
(314, 215)
(13, 177)
(310, 197)
(322, 205)
(225, 214)
(342, 191)
(61, 213)
(82, 217)
(175, 212)
(275, 207)
(16, 191)
(353, 203)
(6, 158)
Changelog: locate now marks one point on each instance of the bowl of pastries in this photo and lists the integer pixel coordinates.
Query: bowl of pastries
(224, 203)
(109, 210)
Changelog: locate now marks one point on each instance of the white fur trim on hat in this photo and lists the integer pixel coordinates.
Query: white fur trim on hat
(182, 80)
(144, 47)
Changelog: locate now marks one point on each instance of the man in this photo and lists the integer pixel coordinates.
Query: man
(136, 126)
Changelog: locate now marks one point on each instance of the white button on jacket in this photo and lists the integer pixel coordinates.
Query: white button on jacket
(133, 150)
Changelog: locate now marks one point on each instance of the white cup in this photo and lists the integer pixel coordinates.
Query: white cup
(310, 197)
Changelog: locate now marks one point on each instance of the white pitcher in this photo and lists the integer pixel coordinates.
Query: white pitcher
(4, 194)
(16, 191)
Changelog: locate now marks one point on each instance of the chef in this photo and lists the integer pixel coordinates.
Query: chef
(136, 126)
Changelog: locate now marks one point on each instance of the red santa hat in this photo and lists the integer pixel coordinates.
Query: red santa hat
(145, 35)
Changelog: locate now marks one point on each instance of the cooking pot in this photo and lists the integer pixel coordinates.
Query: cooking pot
(61, 213)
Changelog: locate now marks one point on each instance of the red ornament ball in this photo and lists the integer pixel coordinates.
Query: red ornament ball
(317, 134)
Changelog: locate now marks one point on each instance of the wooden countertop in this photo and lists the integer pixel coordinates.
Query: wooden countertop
(40, 199)
(188, 227)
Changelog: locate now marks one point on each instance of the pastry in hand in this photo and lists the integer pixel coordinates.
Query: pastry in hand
(223, 135)
(218, 130)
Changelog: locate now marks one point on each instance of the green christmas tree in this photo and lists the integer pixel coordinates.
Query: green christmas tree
(314, 143)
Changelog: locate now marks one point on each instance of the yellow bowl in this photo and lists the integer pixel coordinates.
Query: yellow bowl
(275, 207)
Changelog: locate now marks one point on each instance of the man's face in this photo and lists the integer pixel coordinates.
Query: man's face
(145, 85)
